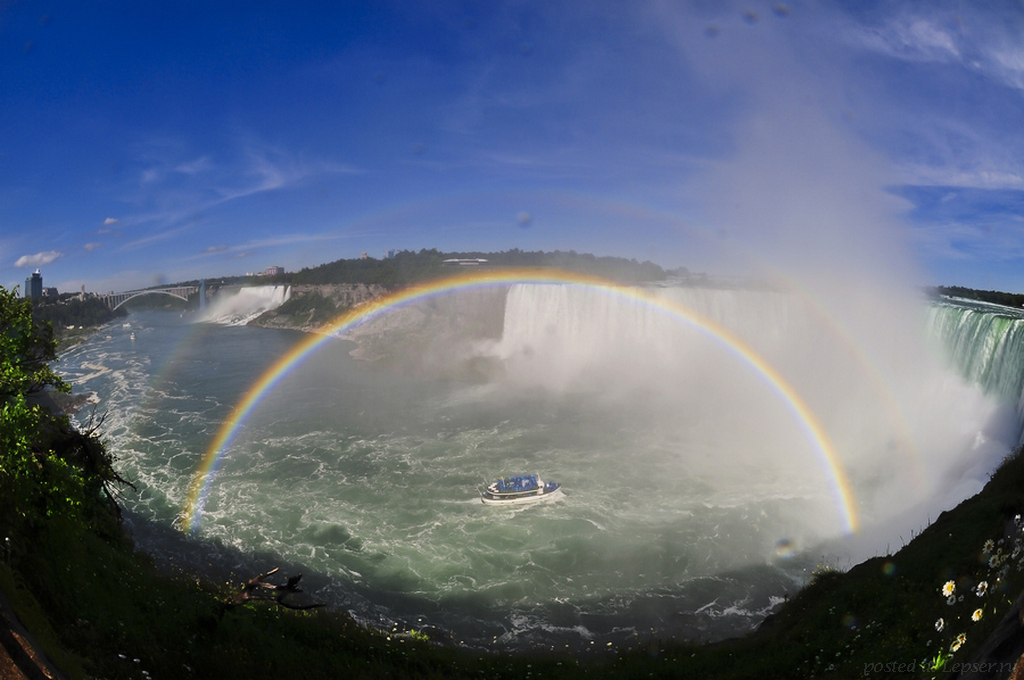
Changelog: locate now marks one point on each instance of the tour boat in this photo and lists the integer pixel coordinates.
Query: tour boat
(520, 489)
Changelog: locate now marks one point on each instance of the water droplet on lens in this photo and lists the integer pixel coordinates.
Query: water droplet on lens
(785, 548)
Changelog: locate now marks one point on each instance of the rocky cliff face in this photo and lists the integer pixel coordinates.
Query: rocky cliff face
(344, 295)
(310, 307)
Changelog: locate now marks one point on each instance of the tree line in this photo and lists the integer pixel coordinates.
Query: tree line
(72, 311)
(407, 267)
(993, 296)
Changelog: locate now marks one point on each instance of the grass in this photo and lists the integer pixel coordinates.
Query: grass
(104, 611)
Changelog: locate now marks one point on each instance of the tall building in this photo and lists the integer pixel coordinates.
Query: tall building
(34, 285)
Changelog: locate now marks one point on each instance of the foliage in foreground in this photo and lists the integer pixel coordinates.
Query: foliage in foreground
(103, 610)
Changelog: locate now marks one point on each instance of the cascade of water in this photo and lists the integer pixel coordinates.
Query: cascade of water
(245, 305)
(559, 334)
(984, 344)
(907, 429)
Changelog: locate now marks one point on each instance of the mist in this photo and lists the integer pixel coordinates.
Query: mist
(798, 204)
(239, 307)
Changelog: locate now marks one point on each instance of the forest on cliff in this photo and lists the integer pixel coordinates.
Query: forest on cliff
(408, 267)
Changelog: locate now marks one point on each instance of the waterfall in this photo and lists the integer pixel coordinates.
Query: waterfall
(984, 343)
(914, 434)
(248, 303)
(565, 334)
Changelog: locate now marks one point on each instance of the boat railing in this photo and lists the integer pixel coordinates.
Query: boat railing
(519, 483)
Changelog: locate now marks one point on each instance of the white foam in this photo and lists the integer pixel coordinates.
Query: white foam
(247, 304)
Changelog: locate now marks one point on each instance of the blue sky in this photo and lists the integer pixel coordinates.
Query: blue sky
(143, 143)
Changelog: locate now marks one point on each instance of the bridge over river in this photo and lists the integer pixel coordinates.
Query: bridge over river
(115, 300)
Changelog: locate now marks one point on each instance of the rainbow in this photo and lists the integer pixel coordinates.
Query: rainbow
(869, 369)
(828, 457)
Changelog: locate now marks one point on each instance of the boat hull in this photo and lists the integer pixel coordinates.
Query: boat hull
(521, 498)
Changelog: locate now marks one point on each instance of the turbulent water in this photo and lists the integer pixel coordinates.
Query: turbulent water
(695, 499)
(237, 308)
(985, 343)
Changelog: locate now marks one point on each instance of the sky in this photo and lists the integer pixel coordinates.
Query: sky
(148, 143)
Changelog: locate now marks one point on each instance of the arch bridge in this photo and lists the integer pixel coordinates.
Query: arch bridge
(115, 300)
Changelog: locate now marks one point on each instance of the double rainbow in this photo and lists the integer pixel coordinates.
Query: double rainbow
(805, 418)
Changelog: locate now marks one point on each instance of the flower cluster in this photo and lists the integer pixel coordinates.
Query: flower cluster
(997, 558)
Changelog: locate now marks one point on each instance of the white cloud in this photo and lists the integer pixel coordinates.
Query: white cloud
(110, 221)
(89, 247)
(173, 193)
(150, 176)
(964, 177)
(38, 260)
(1008, 65)
(998, 240)
(194, 167)
(272, 170)
(978, 38)
(909, 38)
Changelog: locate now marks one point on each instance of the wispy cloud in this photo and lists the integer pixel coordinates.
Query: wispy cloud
(980, 241)
(195, 167)
(89, 247)
(174, 195)
(909, 37)
(110, 221)
(983, 39)
(151, 176)
(250, 247)
(38, 260)
(156, 237)
(977, 177)
(270, 169)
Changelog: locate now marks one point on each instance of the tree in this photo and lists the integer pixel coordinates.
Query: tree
(26, 350)
(47, 466)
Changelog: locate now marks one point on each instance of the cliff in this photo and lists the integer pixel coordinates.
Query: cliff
(311, 306)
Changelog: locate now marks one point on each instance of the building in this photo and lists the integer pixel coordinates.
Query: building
(34, 285)
(269, 271)
(464, 262)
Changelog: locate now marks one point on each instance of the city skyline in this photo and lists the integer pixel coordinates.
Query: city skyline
(817, 141)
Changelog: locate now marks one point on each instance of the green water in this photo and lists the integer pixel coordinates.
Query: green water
(687, 516)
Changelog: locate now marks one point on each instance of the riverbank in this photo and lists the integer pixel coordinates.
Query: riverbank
(110, 612)
(880, 612)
